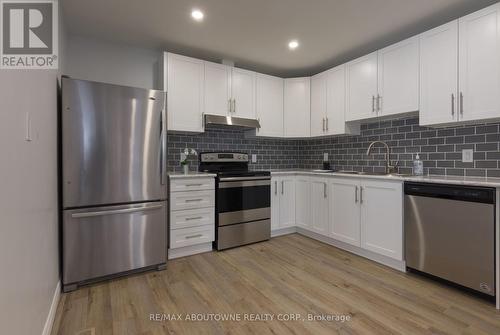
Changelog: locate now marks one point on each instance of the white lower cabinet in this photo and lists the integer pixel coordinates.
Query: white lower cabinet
(366, 214)
(192, 216)
(282, 202)
(319, 205)
(344, 210)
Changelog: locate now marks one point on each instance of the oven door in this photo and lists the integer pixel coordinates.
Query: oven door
(243, 199)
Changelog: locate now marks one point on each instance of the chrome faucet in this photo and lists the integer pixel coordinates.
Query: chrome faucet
(388, 167)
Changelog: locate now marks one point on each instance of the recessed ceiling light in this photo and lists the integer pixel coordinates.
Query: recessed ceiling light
(197, 14)
(292, 45)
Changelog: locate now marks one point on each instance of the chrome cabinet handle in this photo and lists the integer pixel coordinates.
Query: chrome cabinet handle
(282, 187)
(373, 104)
(378, 102)
(193, 200)
(234, 105)
(361, 194)
(193, 236)
(115, 211)
(195, 218)
(461, 104)
(275, 187)
(356, 195)
(323, 124)
(452, 104)
(192, 185)
(324, 190)
(327, 124)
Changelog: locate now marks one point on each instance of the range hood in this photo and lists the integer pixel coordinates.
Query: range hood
(231, 121)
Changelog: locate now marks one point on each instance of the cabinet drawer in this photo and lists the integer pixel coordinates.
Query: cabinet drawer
(194, 184)
(192, 200)
(191, 236)
(192, 218)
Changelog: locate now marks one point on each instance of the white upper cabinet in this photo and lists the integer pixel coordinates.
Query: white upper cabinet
(439, 75)
(297, 103)
(243, 93)
(398, 78)
(318, 104)
(382, 218)
(361, 87)
(217, 89)
(479, 64)
(185, 85)
(269, 102)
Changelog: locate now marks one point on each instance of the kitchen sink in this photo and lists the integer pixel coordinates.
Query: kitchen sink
(360, 173)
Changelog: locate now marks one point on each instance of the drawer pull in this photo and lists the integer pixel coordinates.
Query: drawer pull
(193, 200)
(193, 236)
(193, 185)
(195, 218)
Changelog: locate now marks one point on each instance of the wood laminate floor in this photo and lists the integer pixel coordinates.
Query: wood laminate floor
(287, 275)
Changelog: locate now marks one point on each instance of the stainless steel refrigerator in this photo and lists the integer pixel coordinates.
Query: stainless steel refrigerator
(114, 187)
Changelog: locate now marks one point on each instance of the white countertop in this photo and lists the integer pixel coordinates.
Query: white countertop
(190, 175)
(455, 180)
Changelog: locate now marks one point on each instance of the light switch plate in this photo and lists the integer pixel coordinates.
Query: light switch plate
(254, 158)
(325, 157)
(467, 156)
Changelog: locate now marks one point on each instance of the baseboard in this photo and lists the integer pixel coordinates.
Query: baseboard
(190, 250)
(390, 262)
(47, 329)
(283, 231)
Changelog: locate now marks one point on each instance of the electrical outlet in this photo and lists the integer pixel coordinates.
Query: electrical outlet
(325, 157)
(467, 156)
(183, 156)
(254, 158)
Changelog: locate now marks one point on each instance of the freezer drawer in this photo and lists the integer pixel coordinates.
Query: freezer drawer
(105, 241)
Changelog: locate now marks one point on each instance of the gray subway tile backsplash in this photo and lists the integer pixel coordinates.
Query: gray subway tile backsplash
(440, 149)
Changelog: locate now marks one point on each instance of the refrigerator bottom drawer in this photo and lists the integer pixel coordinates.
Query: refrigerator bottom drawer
(104, 241)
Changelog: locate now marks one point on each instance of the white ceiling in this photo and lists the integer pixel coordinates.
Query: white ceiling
(254, 33)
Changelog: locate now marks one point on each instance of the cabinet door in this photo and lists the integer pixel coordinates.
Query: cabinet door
(185, 93)
(217, 89)
(335, 102)
(319, 205)
(398, 84)
(275, 203)
(382, 218)
(243, 92)
(479, 64)
(302, 202)
(297, 100)
(287, 202)
(269, 100)
(439, 75)
(361, 88)
(318, 104)
(344, 211)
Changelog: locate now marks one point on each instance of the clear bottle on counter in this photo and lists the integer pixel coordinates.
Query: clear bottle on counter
(418, 166)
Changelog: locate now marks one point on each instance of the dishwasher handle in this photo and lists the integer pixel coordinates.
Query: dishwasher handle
(485, 195)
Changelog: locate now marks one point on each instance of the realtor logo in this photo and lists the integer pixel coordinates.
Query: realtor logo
(28, 34)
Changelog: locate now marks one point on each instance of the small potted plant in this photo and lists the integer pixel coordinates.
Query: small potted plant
(184, 159)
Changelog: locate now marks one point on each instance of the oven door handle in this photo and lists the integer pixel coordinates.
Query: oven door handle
(244, 178)
(246, 183)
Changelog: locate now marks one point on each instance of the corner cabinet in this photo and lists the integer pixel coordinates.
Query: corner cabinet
(297, 105)
(361, 86)
(269, 103)
(184, 82)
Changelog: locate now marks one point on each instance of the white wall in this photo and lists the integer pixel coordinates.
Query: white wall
(113, 63)
(29, 245)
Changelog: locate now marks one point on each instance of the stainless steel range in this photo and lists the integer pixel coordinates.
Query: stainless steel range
(243, 199)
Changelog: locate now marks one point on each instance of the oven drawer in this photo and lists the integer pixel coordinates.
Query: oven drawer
(192, 200)
(192, 218)
(191, 236)
(195, 184)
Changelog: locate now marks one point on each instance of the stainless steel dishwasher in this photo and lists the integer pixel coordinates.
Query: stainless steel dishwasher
(450, 233)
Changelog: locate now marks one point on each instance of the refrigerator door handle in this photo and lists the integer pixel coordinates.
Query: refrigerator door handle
(115, 211)
(163, 153)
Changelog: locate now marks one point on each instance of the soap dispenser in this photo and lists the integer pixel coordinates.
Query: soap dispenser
(418, 166)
